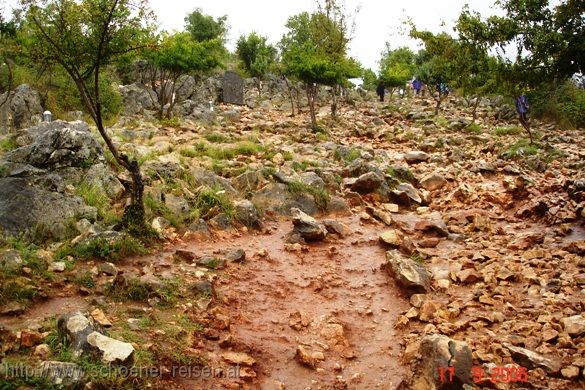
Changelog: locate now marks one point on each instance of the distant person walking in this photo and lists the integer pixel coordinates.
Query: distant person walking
(416, 85)
(521, 103)
(381, 90)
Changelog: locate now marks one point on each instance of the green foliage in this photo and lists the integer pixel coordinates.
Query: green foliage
(85, 279)
(216, 138)
(314, 51)
(520, 149)
(7, 144)
(402, 174)
(564, 104)
(103, 248)
(170, 122)
(350, 156)
(320, 195)
(510, 130)
(157, 207)
(175, 55)
(132, 290)
(16, 289)
(370, 80)
(204, 28)
(95, 197)
(208, 199)
(473, 128)
(547, 38)
(244, 148)
(256, 55)
(396, 66)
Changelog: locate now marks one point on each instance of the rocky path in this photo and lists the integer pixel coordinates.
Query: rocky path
(327, 305)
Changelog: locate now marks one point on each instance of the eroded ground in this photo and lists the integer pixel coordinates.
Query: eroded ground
(497, 223)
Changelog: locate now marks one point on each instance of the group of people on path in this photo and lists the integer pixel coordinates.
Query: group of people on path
(520, 101)
(416, 85)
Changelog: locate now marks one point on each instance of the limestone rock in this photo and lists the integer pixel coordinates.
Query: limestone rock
(574, 326)
(408, 274)
(532, 360)
(438, 351)
(111, 350)
(416, 156)
(308, 227)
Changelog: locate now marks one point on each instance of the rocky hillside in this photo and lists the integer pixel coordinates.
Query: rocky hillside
(378, 253)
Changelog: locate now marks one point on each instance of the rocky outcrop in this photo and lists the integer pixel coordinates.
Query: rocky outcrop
(24, 207)
(21, 110)
(56, 145)
(137, 98)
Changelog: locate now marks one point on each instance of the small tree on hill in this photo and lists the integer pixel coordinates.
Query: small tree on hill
(396, 67)
(204, 27)
(177, 55)
(83, 37)
(307, 56)
(435, 65)
(256, 55)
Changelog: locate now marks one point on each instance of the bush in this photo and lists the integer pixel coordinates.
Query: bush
(59, 93)
(564, 104)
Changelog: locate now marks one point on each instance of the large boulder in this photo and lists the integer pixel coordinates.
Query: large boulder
(438, 353)
(102, 178)
(112, 351)
(58, 144)
(75, 327)
(276, 197)
(207, 178)
(308, 227)
(24, 207)
(137, 98)
(411, 276)
(22, 109)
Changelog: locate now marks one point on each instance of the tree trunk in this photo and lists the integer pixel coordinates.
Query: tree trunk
(298, 94)
(334, 102)
(311, 100)
(438, 99)
(474, 112)
(259, 86)
(290, 95)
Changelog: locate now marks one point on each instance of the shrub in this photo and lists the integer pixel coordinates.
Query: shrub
(564, 104)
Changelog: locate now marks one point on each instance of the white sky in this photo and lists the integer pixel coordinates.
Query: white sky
(377, 22)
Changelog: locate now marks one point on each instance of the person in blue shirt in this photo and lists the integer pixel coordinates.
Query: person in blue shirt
(416, 85)
(521, 103)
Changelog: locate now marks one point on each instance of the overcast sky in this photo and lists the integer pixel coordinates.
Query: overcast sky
(377, 22)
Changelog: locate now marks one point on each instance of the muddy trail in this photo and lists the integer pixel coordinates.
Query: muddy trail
(329, 298)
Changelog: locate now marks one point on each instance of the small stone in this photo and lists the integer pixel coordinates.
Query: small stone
(58, 266)
(570, 372)
(433, 182)
(99, 317)
(112, 351)
(238, 358)
(415, 157)
(443, 284)
(29, 339)
(417, 300)
(469, 275)
(308, 227)
(108, 269)
(391, 237)
(184, 255)
(574, 326)
(532, 360)
(42, 351)
(305, 358)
